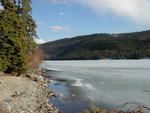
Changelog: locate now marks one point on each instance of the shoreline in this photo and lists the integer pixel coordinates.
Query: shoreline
(27, 93)
(66, 100)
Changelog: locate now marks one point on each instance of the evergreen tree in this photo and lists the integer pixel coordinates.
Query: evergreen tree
(17, 30)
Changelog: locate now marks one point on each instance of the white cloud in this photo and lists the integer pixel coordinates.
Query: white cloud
(39, 41)
(59, 28)
(144, 27)
(61, 13)
(137, 10)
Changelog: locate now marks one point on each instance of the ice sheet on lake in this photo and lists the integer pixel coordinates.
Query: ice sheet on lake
(116, 81)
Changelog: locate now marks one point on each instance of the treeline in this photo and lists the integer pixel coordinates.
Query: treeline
(100, 46)
(17, 30)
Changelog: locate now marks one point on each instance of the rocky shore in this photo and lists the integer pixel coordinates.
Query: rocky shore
(27, 93)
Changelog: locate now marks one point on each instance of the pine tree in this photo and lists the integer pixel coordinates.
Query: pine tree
(17, 30)
(28, 23)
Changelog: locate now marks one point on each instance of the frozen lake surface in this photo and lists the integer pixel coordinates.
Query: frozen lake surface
(106, 83)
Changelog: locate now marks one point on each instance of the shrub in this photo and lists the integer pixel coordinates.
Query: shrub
(35, 58)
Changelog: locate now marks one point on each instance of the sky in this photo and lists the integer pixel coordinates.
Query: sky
(57, 19)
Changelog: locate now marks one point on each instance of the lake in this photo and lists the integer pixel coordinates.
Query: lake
(105, 83)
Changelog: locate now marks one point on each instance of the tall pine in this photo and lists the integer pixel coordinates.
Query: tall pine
(17, 30)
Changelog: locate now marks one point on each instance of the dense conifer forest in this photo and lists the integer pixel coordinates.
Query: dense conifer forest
(134, 45)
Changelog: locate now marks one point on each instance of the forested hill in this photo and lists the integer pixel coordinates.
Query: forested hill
(134, 45)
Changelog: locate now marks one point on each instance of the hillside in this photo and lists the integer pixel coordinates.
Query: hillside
(134, 45)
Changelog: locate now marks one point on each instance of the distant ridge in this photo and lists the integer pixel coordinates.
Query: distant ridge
(134, 45)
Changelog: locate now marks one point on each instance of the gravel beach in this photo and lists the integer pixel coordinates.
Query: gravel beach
(25, 94)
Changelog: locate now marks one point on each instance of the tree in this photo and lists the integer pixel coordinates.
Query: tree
(17, 30)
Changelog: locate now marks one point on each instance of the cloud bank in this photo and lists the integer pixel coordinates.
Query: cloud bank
(59, 28)
(136, 10)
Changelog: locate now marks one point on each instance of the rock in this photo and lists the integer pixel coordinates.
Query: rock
(5, 107)
(49, 81)
(39, 79)
(35, 77)
(45, 85)
(32, 76)
(52, 95)
(17, 92)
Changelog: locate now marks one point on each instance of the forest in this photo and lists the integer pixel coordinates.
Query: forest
(135, 45)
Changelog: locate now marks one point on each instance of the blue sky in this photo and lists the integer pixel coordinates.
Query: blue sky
(58, 19)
